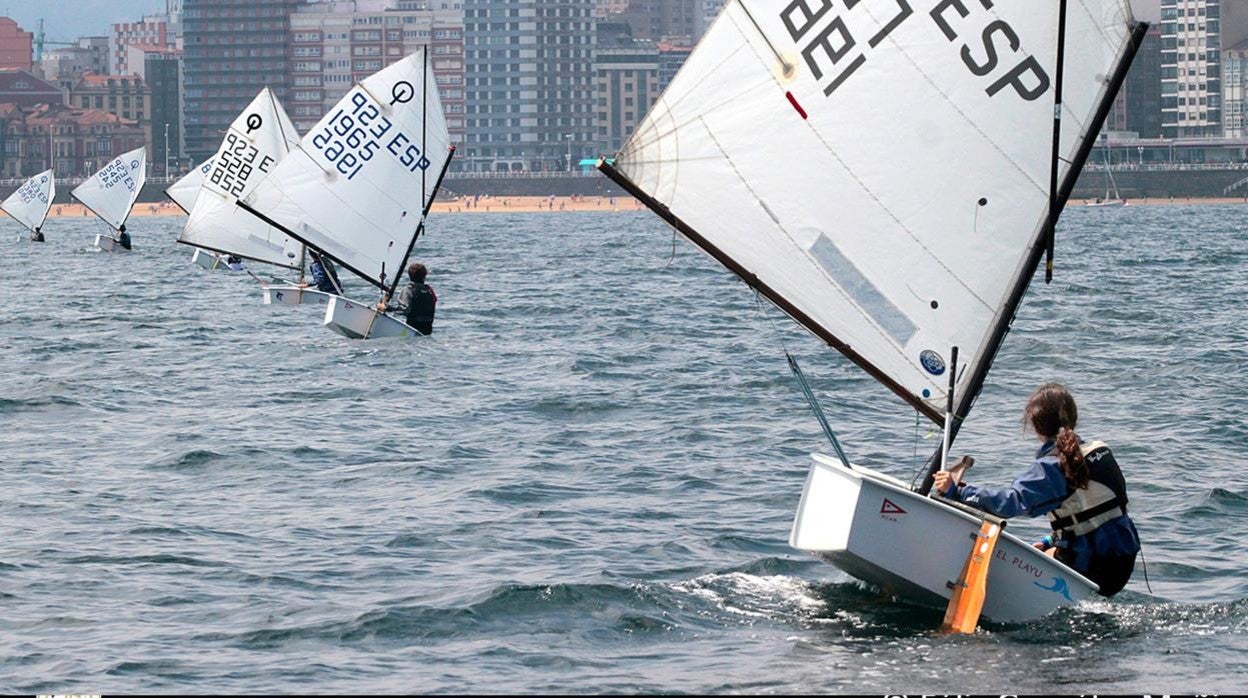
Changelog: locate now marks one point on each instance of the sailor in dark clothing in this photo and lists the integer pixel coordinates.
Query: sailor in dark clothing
(324, 276)
(234, 263)
(1077, 484)
(36, 235)
(418, 301)
(123, 238)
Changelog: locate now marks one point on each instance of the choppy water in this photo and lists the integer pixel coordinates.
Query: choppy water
(582, 482)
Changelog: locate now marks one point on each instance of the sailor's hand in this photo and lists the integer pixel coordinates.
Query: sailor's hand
(381, 306)
(944, 482)
(303, 284)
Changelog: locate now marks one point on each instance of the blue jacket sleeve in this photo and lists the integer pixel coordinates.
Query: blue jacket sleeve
(1039, 490)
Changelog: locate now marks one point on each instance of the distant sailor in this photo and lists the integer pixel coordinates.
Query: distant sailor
(324, 276)
(36, 235)
(418, 303)
(123, 238)
(1077, 484)
(234, 263)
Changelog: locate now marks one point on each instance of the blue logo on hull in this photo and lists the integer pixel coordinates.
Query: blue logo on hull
(1059, 587)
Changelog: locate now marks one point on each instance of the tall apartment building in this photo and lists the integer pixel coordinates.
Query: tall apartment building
(1191, 67)
(16, 46)
(232, 50)
(529, 83)
(673, 52)
(1143, 88)
(152, 30)
(340, 42)
(161, 70)
(626, 81)
(655, 19)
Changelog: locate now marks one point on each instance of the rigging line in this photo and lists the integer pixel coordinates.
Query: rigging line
(788, 67)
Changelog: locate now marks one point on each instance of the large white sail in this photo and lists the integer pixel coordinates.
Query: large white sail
(30, 203)
(357, 185)
(185, 191)
(881, 170)
(257, 140)
(111, 192)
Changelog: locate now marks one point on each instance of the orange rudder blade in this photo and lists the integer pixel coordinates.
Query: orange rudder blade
(967, 601)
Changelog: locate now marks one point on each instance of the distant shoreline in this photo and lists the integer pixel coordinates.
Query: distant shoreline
(558, 204)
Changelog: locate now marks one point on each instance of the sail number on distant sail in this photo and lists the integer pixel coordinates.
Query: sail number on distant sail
(349, 140)
(235, 164)
(116, 172)
(33, 190)
(824, 38)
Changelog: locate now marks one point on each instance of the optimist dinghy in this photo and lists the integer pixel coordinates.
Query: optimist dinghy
(889, 175)
(29, 205)
(359, 187)
(255, 142)
(110, 193)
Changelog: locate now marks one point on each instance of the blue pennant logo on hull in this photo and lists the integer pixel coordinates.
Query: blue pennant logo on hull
(932, 362)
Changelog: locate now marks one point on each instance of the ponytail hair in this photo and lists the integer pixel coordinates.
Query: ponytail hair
(1070, 457)
(1052, 413)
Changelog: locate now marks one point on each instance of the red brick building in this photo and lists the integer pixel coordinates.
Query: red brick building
(16, 46)
(74, 142)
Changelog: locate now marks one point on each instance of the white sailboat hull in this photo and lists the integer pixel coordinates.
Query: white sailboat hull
(293, 295)
(359, 321)
(206, 259)
(1118, 203)
(106, 243)
(874, 528)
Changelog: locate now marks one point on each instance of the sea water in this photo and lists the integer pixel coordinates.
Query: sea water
(583, 481)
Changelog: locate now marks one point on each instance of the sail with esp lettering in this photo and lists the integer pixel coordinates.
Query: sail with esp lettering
(881, 170)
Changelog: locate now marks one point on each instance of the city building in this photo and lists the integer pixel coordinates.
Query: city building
(1142, 89)
(161, 70)
(16, 46)
(654, 19)
(75, 142)
(23, 89)
(231, 50)
(152, 30)
(1191, 68)
(65, 65)
(673, 52)
(529, 84)
(626, 82)
(337, 43)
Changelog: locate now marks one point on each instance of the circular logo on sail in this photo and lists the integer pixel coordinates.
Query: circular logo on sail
(402, 93)
(134, 164)
(932, 362)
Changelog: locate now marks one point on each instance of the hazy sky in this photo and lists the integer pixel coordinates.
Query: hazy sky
(66, 20)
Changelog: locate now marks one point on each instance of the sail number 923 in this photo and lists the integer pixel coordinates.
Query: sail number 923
(349, 139)
(833, 53)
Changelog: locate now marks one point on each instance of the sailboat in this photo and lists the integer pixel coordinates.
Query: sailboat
(255, 142)
(184, 192)
(360, 184)
(29, 205)
(890, 179)
(111, 193)
(1112, 198)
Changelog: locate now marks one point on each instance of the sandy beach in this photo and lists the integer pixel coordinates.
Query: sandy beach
(492, 204)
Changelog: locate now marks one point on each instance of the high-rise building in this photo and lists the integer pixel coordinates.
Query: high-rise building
(1191, 68)
(231, 50)
(673, 52)
(152, 30)
(1143, 88)
(655, 19)
(337, 43)
(161, 69)
(626, 82)
(16, 46)
(529, 84)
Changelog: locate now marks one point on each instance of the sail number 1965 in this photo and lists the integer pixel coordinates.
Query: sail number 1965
(351, 138)
(833, 53)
